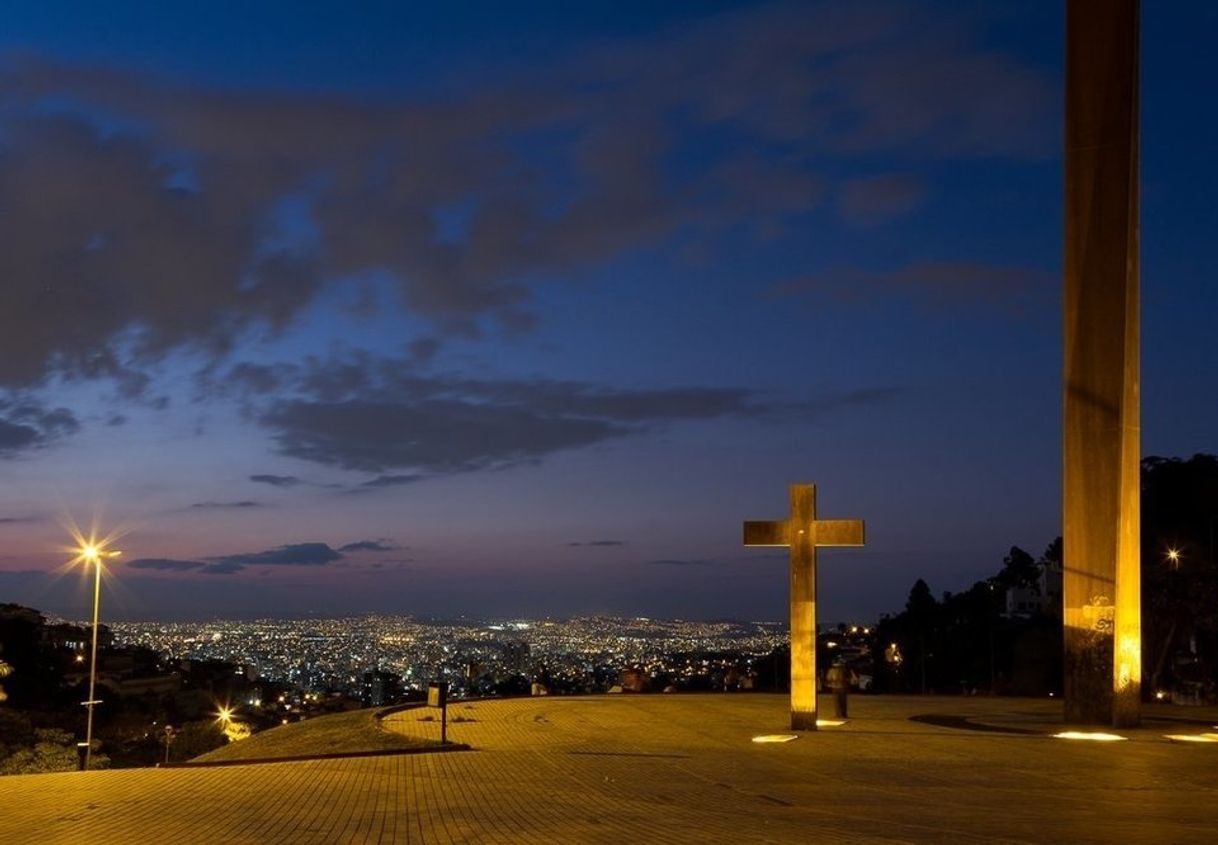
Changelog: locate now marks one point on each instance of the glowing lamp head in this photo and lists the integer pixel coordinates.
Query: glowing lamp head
(93, 553)
(225, 714)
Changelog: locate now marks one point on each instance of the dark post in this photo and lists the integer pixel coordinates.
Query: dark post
(838, 681)
(437, 696)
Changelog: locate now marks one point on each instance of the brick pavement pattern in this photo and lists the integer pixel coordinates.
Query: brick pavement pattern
(663, 768)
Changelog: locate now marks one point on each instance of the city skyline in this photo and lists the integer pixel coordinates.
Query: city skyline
(458, 312)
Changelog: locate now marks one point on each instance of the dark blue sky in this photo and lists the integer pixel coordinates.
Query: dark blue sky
(450, 309)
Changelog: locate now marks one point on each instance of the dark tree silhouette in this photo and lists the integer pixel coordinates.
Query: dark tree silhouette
(1019, 569)
(1180, 571)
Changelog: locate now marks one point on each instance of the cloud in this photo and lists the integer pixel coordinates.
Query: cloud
(944, 282)
(26, 426)
(295, 554)
(392, 480)
(245, 503)
(276, 480)
(875, 199)
(223, 567)
(370, 546)
(16, 437)
(436, 436)
(599, 543)
(357, 411)
(18, 520)
(165, 564)
(368, 414)
(144, 217)
(674, 562)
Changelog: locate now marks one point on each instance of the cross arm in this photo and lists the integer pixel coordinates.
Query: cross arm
(838, 532)
(758, 533)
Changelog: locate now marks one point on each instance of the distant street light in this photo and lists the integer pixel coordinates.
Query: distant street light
(92, 552)
(168, 735)
(1173, 557)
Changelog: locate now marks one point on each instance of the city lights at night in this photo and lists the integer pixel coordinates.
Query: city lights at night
(717, 421)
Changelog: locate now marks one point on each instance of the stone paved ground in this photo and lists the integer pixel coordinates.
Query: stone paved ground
(666, 768)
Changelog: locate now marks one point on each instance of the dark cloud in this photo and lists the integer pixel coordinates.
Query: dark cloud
(676, 562)
(14, 438)
(599, 543)
(165, 564)
(242, 379)
(874, 199)
(121, 244)
(370, 546)
(298, 554)
(438, 436)
(223, 567)
(25, 426)
(369, 414)
(360, 412)
(391, 480)
(276, 480)
(947, 282)
(295, 554)
(423, 349)
(245, 503)
(18, 520)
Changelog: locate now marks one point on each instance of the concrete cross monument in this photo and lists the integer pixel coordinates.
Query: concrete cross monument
(803, 533)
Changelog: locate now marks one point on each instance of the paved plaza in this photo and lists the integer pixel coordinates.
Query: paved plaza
(671, 768)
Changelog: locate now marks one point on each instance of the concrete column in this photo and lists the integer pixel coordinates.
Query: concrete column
(1101, 448)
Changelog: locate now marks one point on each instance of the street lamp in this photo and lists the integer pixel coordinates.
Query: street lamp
(1173, 557)
(92, 552)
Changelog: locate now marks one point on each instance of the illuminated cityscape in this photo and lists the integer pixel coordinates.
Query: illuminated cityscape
(583, 654)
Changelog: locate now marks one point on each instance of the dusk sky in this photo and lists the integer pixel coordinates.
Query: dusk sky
(479, 309)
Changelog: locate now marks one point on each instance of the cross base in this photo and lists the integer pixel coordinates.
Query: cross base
(801, 721)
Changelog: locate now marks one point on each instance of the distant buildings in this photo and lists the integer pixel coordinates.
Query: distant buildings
(380, 688)
(1043, 598)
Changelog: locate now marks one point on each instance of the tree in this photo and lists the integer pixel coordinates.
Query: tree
(195, 738)
(921, 604)
(1180, 590)
(1019, 569)
(921, 608)
(52, 751)
(5, 671)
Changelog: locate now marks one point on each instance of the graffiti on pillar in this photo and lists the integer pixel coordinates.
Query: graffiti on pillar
(1098, 615)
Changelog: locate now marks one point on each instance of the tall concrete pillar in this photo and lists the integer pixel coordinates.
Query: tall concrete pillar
(1101, 449)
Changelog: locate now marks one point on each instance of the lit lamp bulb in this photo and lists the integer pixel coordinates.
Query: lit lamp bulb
(93, 553)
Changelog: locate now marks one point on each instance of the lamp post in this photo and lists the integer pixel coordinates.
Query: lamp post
(92, 553)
